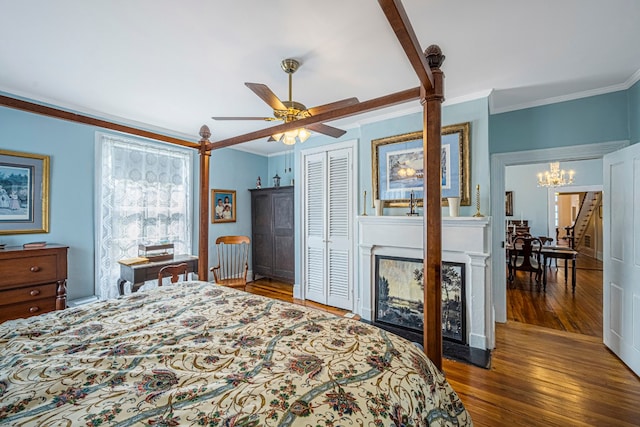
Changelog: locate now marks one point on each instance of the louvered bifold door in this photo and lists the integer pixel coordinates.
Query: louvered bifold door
(315, 219)
(340, 229)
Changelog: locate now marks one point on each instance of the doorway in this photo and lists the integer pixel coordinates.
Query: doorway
(553, 215)
(499, 163)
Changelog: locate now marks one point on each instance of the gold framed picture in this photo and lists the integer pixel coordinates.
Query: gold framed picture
(24, 193)
(398, 167)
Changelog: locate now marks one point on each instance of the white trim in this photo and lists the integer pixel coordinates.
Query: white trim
(499, 162)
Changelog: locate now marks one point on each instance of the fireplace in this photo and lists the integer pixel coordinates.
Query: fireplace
(465, 249)
(399, 298)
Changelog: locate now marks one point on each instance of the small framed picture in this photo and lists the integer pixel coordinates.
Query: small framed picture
(508, 203)
(223, 206)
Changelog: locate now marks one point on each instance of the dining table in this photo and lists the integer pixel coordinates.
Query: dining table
(555, 252)
(559, 252)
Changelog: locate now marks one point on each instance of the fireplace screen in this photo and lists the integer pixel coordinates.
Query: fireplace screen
(399, 296)
(399, 292)
(453, 324)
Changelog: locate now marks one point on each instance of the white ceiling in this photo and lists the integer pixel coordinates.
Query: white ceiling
(168, 65)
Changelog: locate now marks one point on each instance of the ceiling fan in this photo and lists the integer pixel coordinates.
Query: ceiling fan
(289, 111)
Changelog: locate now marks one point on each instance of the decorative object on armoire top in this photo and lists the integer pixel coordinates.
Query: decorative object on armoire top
(555, 177)
(258, 183)
(478, 214)
(276, 180)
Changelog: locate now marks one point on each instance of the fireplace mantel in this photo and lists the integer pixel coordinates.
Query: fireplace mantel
(464, 239)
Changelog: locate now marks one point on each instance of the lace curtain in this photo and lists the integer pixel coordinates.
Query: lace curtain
(143, 196)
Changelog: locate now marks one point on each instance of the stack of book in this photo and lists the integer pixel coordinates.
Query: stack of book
(33, 245)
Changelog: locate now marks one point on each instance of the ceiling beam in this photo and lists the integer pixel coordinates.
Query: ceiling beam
(338, 113)
(91, 121)
(401, 25)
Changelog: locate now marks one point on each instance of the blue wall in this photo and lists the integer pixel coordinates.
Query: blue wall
(71, 195)
(583, 121)
(475, 112)
(634, 113)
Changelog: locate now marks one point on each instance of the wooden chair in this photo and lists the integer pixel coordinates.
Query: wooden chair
(233, 261)
(525, 255)
(174, 271)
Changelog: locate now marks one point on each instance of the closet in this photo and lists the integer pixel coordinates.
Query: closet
(328, 217)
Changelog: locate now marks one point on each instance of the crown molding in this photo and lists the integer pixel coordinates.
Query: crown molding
(635, 77)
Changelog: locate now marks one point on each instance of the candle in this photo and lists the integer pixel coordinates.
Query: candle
(520, 217)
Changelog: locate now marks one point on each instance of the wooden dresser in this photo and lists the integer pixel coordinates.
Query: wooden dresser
(32, 281)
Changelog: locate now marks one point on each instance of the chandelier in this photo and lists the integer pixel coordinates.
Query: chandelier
(290, 137)
(555, 177)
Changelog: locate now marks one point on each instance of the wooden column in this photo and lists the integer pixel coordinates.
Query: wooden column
(203, 239)
(431, 141)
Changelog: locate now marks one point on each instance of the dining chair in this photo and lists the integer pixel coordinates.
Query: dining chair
(233, 261)
(174, 271)
(525, 255)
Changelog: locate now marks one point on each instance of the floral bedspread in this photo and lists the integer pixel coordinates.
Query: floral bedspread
(199, 354)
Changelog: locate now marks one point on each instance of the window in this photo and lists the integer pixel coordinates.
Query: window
(143, 195)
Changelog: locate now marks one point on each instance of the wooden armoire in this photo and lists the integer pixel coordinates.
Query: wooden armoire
(272, 241)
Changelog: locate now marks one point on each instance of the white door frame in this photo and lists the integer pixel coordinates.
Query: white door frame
(299, 289)
(499, 162)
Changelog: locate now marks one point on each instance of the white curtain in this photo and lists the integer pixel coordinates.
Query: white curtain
(143, 195)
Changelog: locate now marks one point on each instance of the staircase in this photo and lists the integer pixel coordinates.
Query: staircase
(588, 206)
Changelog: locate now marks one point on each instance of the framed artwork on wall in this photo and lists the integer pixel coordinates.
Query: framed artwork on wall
(223, 206)
(24, 193)
(397, 167)
(508, 203)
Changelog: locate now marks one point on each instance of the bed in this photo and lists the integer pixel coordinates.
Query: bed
(201, 354)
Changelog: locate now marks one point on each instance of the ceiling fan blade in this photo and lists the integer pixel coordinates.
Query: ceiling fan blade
(267, 119)
(266, 95)
(332, 106)
(326, 130)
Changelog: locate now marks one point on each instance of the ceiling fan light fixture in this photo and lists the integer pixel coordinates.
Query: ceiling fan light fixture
(303, 134)
(277, 136)
(289, 140)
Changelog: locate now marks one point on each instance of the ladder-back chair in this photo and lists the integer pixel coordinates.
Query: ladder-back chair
(233, 261)
(174, 271)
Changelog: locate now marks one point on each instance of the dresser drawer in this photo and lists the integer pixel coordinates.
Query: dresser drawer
(27, 293)
(29, 269)
(26, 309)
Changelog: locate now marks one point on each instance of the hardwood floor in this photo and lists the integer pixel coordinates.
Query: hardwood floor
(539, 376)
(558, 307)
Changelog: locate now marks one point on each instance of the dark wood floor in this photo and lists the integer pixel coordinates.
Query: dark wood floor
(549, 367)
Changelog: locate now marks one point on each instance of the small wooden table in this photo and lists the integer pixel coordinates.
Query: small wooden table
(139, 273)
(559, 252)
